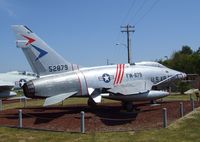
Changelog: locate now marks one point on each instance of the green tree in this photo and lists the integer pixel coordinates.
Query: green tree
(186, 50)
(185, 60)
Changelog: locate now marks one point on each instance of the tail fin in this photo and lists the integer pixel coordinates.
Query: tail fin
(42, 59)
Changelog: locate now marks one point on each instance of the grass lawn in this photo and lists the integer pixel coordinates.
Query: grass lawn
(178, 96)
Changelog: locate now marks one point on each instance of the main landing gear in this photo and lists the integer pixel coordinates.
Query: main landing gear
(128, 106)
(153, 103)
(91, 102)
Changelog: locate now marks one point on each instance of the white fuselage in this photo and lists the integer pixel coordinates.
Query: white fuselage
(103, 77)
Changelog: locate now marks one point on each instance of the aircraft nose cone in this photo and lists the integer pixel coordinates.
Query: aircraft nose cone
(184, 75)
(181, 75)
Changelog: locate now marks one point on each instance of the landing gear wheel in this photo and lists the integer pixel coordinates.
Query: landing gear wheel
(153, 102)
(128, 106)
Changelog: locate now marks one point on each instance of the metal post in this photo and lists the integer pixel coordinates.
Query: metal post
(170, 90)
(181, 109)
(82, 122)
(192, 102)
(25, 101)
(20, 119)
(164, 117)
(190, 97)
(1, 105)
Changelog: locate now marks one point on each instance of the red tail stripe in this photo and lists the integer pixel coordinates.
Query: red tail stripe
(120, 80)
(119, 75)
(116, 75)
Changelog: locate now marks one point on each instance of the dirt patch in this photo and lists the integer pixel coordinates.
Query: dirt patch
(104, 117)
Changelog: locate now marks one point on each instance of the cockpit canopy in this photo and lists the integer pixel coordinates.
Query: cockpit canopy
(150, 63)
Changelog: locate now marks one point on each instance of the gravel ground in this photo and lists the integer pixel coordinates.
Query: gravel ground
(104, 117)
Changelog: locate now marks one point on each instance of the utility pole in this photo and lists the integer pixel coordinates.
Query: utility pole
(107, 61)
(128, 28)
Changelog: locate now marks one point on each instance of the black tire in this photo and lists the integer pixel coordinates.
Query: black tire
(128, 106)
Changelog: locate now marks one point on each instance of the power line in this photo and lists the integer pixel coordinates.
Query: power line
(140, 8)
(147, 12)
(135, 14)
(132, 4)
(128, 12)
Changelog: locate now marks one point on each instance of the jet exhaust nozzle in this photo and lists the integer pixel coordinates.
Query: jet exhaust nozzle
(29, 89)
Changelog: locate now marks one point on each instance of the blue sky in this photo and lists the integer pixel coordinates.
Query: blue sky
(85, 31)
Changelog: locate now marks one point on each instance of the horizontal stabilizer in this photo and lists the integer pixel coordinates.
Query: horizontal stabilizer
(6, 86)
(57, 98)
(7, 94)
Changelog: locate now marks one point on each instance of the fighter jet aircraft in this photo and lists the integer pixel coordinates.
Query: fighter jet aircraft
(60, 79)
(13, 80)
